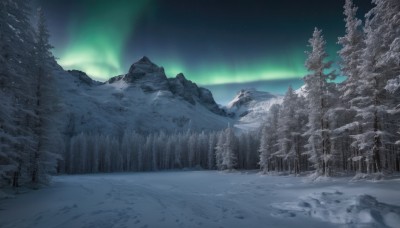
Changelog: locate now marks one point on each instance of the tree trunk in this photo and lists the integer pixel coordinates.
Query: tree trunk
(377, 144)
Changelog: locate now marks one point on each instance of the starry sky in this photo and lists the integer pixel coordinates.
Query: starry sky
(224, 45)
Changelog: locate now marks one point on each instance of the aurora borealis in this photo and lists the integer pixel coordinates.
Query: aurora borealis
(214, 43)
(97, 37)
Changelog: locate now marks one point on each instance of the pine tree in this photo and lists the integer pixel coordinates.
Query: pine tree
(219, 150)
(229, 155)
(352, 47)
(269, 142)
(290, 128)
(211, 150)
(192, 148)
(342, 117)
(265, 154)
(318, 86)
(286, 128)
(382, 36)
(19, 54)
(8, 157)
(43, 160)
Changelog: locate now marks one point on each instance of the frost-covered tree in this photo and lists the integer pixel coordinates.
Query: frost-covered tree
(126, 149)
(319, 88)
(351, 51)
(393, 87)
(290, 128)
(269, 142)
(382, 35)
(242, 151)
(342, 117)
(225, 150)
(229, 155)
(286, 124)
(212, 141)
(17, 92)
(192, 148)
(219, 150)
(202, 152)
(43, 160)
(265, 154)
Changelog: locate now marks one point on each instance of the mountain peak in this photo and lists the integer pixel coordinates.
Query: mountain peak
(145, 65)
(245, 96)
(180, 76)
(83, 77)
(151, 78)
(145, 60)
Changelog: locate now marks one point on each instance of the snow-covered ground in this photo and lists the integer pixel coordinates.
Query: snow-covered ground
(204, 199)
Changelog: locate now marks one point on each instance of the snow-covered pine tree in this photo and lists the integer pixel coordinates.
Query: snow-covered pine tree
(43, 161)
(382, 35)
(252, 145)
(212, 141)
(300, 127)
(318, 86)
(219, 150)
(192, 148)
(291, 123)
(241, 151)
(286, 130)
(269, 142)
(389, 64)
(126, 150)
(229, 155)
(351, 51)
(342, 117)
(147, 153)
(168, 151)
(265, 154)
(21, 66)
(8, 157)
(106, 149)
(92, 157)
(78, 151)
(203, 149)
(178, 163)
(393, 87)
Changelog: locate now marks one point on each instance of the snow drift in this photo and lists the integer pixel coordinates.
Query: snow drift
(337, 207)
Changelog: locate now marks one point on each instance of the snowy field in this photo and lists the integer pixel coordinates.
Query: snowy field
(203, 199)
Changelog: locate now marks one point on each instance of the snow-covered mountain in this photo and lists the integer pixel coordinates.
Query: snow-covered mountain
(302, 92)
(250, 107)
(144, 100)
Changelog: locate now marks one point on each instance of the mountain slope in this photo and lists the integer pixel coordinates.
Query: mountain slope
(250, 108)
(144, 100)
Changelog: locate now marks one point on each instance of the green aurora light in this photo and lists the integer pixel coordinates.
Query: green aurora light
(288, 66)
(98, 37)
(224, 73)
(96, 42)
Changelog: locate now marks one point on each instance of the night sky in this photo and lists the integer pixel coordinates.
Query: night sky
(223, 45)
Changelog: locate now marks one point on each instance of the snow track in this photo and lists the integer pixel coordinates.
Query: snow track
(198, 199)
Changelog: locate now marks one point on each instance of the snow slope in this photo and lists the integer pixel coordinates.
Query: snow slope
(250, 108)
(144, 100)
(203, 199)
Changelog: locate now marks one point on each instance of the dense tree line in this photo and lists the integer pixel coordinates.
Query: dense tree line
(26, 96)
(91, 153)
(347, 127)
